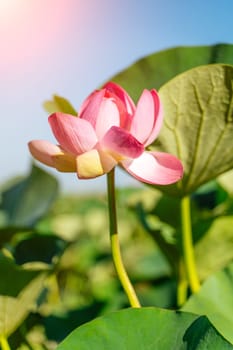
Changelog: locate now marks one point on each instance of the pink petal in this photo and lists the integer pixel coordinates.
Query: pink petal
(147, 120)
(122, 94)
(89, 110)
(52, 155)
(120, 143)
(43, 151)
(75, 135)
(108, 116)
(155, 168)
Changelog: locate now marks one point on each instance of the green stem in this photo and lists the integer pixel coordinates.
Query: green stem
(115, 246)
(187, 245)
(182, 286)
(4, 343)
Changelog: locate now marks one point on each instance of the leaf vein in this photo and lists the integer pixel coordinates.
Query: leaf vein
(198, 138)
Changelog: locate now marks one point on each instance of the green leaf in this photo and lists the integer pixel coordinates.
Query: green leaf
(19, 289)
(226, 181)
(13, 311)
(214, 250)
(210, 196)
(216, 302)
(198, 125)
(147, 329)
(59, 104)
(164, 207)
(6, 233)
(155, 70)
(59, 326)
(13, 278)
(39, 247)
(28, 200)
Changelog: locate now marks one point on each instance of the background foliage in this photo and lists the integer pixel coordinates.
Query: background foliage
(63, 273)
(56, 269)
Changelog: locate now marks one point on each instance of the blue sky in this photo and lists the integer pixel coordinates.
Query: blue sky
(70, 48)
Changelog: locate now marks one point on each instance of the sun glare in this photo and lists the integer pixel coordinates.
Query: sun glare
(12, 10)
(29, 29)
(8, 7)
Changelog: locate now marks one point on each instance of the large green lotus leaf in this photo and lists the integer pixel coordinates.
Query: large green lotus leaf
(147, 329)
(215, 300)
(59, 104)
(59, 326)
(198, 125)
(155, 70)
(214, 250)
(28, 200)
(19, 289)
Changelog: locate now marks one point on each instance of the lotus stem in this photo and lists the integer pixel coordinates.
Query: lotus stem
(187, 246)
(182, 284)
(115, 245)
(4, 343)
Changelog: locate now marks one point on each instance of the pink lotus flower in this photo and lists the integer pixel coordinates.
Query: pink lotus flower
(110, 130)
